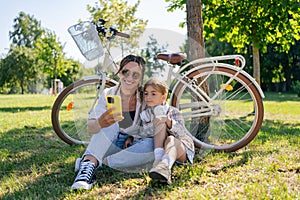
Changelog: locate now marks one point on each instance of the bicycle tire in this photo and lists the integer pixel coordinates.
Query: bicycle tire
(241, 109)
(70, 110)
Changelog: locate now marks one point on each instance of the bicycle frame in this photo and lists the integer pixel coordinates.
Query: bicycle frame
(101, 75)
(207, 106)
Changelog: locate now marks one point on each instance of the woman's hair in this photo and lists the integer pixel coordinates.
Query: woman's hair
(132, 58)
(157, 84)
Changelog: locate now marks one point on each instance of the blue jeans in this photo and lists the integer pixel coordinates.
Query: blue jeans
(121, 139)
(106, 144)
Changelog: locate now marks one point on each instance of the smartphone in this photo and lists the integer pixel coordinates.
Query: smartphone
(114, 101)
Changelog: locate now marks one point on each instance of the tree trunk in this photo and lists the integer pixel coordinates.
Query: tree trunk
(199, 127)
(195, 29)
(287, 69)
(22, 87)
(256, 63)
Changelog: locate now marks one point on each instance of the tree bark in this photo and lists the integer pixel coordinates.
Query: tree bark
(195, 29)
(196, 49)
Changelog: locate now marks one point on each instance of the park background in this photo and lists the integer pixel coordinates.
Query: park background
(35, 164)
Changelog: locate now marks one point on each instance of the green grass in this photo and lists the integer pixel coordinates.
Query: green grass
(36, 164)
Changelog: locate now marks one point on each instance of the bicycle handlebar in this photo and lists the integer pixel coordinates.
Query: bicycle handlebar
(125, 35)
(101, 29)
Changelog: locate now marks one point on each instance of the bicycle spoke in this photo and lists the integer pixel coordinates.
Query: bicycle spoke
(232, 122)
(71, 111)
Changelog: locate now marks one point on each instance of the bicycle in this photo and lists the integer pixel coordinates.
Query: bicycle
(220, 102)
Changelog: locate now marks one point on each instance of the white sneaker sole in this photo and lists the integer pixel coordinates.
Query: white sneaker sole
(82, 185)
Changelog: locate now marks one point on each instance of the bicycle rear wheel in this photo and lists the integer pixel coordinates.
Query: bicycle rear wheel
(238, 110)
(71, 109)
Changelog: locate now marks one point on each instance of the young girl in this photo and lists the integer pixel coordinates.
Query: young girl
(172, 141)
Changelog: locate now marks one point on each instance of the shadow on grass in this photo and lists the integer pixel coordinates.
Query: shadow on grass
(35, 159)
(23, 109)
(271, 131)
(281, 97)
(243, 159)
(42, 165)
(275, 130)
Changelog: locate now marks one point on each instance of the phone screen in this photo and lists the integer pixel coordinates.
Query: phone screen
(114, 101)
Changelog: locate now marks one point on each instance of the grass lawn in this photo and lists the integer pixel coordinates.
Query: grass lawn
(36, 164)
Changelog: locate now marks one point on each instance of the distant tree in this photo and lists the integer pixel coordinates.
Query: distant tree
(18, 69)
(153, 65)
(26, 31)
(20, 63)
(280, 69)
(50, 54)
(35, 54)
(52, 60)
(71, 69)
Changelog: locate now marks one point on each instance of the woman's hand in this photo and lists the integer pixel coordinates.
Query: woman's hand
(107, 119)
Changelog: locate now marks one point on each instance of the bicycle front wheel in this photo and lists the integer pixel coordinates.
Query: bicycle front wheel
(234, 115)
(71, 108)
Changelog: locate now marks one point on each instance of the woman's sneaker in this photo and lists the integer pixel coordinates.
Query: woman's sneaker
(161, 172)
(85, 178)
(77, 164)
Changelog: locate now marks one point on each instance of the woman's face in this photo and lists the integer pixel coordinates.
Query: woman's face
(154, 97)
(130, 76)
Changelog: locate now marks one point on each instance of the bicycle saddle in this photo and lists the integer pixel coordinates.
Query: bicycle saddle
(173, 58)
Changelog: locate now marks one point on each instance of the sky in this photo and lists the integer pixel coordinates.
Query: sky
(58, 15)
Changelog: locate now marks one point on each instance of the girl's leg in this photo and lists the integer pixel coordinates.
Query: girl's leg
(174, 150)
(160, 134)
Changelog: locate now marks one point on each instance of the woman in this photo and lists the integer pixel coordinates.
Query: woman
(110, 131)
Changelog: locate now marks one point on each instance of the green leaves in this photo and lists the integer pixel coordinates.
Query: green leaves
(26, 30)
(241, 22)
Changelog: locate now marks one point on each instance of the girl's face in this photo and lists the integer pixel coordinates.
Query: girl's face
(154, 97)
(130, 76)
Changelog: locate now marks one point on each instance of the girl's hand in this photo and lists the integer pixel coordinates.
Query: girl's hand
(169, 122)
(128, 142)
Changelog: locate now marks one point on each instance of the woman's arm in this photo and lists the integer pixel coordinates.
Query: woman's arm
(93, 126)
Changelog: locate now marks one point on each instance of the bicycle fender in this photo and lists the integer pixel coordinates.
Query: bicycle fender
(235, 68)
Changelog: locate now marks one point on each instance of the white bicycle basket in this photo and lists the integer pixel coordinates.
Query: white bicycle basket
(87, 39)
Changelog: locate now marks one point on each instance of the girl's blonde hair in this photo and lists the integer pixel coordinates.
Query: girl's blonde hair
(157, 84)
